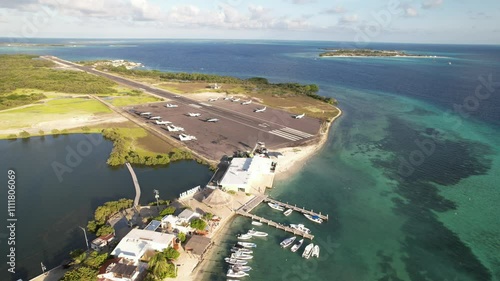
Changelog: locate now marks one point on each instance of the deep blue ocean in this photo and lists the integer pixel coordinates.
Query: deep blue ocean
(409, 175)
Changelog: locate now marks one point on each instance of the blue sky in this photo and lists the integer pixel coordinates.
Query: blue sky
(418, 21)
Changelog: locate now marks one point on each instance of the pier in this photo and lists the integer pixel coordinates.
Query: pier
(136, 184)
(254, 202)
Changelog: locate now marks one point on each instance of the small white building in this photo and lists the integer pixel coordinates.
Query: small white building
(138, 241)
(245, 174)
(181, 222)
(102, 241)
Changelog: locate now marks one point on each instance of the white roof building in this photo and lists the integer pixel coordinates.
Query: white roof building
(135, 244)
(243, 173)
(181, 222)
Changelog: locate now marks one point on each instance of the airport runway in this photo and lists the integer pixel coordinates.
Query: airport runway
(239, 126)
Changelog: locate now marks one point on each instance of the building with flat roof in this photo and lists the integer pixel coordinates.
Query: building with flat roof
(246, 174)
(139, 241)
(197, 245)
(153, 225)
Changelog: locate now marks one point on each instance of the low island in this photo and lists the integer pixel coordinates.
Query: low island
(330, 52)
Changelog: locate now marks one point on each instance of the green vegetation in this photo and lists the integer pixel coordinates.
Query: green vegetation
(182, 237)
(31, 72)
(198, 224)
(160, 265)
(95, 260)
(105, 230)
(24, 134)
(78, 256)
(81, 273)
(208, 216)
(104, 212)
(160, 202)
(232, 192)
(86, 265)
(364, 53)
(168, 211)
(15, 100)
(250, 85)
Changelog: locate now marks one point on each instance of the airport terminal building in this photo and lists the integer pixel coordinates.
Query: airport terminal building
(249, 175)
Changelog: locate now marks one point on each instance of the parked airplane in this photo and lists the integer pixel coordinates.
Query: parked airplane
(261, 109)
(145, 113)
(155, 118)
(228, 98)
(172, 128)
(158, 122)
(212, 120)
(236, 100)
(213, 99)
(194, 114)
(299, 116)
(184, 137)
(169, 105)
(246, 102)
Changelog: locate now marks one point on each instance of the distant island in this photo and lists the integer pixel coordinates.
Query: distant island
(366, 53)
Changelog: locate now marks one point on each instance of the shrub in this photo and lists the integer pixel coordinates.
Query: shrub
(24, 134)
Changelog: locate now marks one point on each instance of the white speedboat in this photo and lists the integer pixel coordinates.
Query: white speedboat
(287, 212)
(235, 261)
(297, 246)
(300, 227)
(257, 223)
(241, 256)
(287, 242)
(244, 236)
(242, 250)
(308, 251)
(244, 268)
(237, 274)
(247, 244)
(315, 219)
(276, 206)
(252, 232)
(315, 251)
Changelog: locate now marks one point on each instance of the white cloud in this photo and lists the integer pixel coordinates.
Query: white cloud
(301, 2)
(336, 10)
(411, 12)
(430, 4)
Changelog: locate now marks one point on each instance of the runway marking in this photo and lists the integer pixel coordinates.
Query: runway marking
(264, 125)
(195, 105)
(284, 135)
(297, 132)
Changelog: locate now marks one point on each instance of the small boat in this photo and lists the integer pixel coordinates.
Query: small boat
(287, 242)
(288, 212)
(315, 219)
(257, 223)
(244, 236)
(252, 232)
(300, 227)
(235, 261)
(247, 244)
(297, 246)
(237, 274)
(315, 252)
(308, 251)
(244, 268)
(241, 250)
(276, 206)
(241, 256)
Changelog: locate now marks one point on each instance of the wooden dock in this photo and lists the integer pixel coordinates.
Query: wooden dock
(136, 184)
(297, 209)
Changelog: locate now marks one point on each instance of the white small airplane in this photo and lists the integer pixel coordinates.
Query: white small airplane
(236, 100)
(213, 99)
(184, 137)
(228, 98)
(194, 114)
(212, 120)
(261, 109)
(158, 122)
(155, 118)
(145, 113)
(246, 102)
(172, 128)
(169, 105)
(299, 116)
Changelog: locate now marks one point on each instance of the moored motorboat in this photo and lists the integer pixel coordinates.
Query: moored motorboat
(287, 212)
(244, 236)
(300, 227)
(297, 246)
(241, 256)
(252, 232)
(287, 242)
(235, 261)
(242, 250)
(247, 244)
(244, 268)
(315, 219)
(232, 273)
(257, 223)
(276, 206)
(315, 251)
(307, 251)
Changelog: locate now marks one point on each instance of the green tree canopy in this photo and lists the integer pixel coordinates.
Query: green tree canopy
(198, 224)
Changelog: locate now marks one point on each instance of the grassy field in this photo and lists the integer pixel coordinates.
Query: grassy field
(126, 96)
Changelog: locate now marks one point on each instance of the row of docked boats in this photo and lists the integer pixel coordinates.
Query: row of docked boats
(311, 250)
(251, 233)
(241, 254)
(280, 208)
